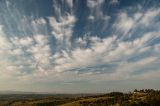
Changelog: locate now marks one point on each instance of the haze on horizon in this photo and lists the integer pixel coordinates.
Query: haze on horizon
(79, 46)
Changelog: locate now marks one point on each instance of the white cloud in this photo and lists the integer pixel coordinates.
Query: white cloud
(97, 14)
(41, 39)
(149, 17)
(63, 29)
(124, 23)
(62, 24)
(147, 60)
(4, 44)
(31, 53)
(91, 17)
(114, 1)
(26, 41)
(96, 10)
(70, 3)
(137, 16)
(94, 3)
(7, 68)
(157, 48)
(40, 21)
(16, 52)
(109, 50)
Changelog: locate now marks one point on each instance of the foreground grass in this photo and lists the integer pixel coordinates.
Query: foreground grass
(90, 100)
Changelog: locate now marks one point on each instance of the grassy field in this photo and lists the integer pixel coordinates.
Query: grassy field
(136, 98)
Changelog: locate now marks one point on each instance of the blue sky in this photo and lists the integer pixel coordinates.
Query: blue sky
(79, 46)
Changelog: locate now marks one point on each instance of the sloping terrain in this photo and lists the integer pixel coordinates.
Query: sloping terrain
(138, 98)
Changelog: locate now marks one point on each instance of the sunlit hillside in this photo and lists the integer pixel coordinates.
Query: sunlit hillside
(146, 97)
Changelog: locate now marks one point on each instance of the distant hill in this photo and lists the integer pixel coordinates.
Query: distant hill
(136, 98)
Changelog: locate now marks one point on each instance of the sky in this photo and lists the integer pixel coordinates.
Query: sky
(79, 46)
